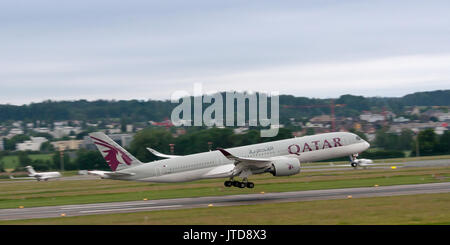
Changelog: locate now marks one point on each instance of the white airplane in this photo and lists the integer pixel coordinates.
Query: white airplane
(280, 158)
(355, 163)
(362, 163)
(39, 176)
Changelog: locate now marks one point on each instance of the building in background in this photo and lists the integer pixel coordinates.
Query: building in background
(31, 145)
(122, 139)
(371, 117)
(67, 145)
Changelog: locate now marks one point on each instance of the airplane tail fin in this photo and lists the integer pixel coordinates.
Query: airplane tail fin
(30, 170)
(116, 157)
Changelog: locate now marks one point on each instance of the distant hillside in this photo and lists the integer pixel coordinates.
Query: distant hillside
(135, 111)
(439, 97)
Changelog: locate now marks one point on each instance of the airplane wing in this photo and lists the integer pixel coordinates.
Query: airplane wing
(158, 154)
(245, 165)
(245, 160)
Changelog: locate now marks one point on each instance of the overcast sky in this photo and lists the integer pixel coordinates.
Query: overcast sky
(105, 49)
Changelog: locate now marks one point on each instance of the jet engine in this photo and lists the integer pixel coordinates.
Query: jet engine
(285, 166)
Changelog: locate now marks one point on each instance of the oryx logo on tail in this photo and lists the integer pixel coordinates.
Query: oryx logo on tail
(112, 155)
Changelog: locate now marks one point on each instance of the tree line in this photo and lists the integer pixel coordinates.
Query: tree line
(140, 110)
(198, 140)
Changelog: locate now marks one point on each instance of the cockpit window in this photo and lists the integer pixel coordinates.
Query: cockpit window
(358, 138)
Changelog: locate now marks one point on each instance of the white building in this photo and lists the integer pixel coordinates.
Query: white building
(444, 117)
(31, 145)
(60, 132)
(17, 124)
(371, 117)
(400, 120)
(60, 124)
(129, 128)
(315, 125)
(415, 127)
(67, 145)
(16, 131)
(42, 130)
(114, 131)
(440, 130)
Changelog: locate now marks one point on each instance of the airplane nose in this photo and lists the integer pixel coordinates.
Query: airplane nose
(367, 144)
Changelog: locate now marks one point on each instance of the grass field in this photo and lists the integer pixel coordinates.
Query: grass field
(412, 209)
(398, 161)
(11, 162)
(32, 194)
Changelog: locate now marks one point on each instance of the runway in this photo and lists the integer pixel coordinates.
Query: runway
(320, 168)
(410, 164)
(232, 200)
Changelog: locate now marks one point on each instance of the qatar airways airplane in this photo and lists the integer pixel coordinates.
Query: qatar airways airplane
(280, 158)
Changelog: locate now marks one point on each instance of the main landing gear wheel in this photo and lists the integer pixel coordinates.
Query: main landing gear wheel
(238, 184)
(242, 185)
(228, 183)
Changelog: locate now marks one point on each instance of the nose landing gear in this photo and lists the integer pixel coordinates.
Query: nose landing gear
(354, 160)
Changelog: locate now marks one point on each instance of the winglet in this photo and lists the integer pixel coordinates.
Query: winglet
(224, 152)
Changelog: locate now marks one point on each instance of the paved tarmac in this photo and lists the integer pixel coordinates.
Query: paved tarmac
(233, 200)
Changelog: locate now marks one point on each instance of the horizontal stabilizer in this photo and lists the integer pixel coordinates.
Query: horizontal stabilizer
(108, 174)
(117, 174)
(158, 154)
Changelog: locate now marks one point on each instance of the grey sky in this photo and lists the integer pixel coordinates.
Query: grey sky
(98, 49)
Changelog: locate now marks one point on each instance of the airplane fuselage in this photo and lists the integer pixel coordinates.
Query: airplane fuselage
(45, 176)
(214, 164)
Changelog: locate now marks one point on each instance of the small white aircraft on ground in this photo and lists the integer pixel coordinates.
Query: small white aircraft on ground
(38, 176)
(355, 163)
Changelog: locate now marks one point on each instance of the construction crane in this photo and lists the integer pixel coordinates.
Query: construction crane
(332, 107)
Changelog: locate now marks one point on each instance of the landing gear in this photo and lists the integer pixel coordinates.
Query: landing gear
(228, 183)
(354, 160)
(250, 185)
(239, 184)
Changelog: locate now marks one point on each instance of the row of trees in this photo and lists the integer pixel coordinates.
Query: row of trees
(427, 142)
(140, 111)
(400, 142)
(82, 159)
(200, 140)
